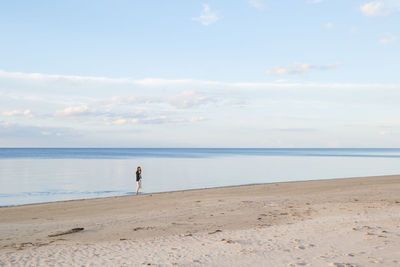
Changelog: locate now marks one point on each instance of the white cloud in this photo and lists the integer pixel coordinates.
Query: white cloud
(122, 110)
(144, 111)
(68, 80)
(73, 111)
(204, 85)
(314, 1)
(298, 68)
(58, 78)
(375, 8)
(257, 4)
(160, 119)
(115, 100)
(388, 40)
(26, 113)
(119, 121)
(295, 68)
(187, 99)
(138, 105)
(207, 16)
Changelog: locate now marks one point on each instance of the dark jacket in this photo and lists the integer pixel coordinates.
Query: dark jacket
(138, 176)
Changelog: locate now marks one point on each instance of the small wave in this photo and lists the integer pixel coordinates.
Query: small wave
(56, 193)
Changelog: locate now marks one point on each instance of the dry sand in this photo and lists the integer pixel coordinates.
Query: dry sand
(338, 222)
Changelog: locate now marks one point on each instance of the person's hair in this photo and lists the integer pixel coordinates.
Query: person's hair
(137, 169)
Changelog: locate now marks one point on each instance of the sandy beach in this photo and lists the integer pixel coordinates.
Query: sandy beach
(338, 222)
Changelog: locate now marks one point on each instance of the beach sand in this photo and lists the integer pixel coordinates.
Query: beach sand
(338, 222)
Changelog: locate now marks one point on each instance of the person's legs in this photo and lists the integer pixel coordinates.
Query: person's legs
(137, 187)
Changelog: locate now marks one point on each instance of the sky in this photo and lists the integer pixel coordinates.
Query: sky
(243, 73)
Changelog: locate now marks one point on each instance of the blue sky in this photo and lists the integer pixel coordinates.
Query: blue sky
(244, 73)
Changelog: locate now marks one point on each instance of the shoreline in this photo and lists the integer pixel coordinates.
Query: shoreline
(198, 189)
(318, 222)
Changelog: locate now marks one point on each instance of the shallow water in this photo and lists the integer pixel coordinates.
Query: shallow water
(43, 175)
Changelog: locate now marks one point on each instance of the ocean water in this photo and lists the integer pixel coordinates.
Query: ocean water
(36, 175)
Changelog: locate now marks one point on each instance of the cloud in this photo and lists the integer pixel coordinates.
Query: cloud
(161, 119)
(118, 121)
(131, 100)
(299, 68)
(121, 110)
(257, 4)
(314, 1)
(375, 8)
(295, 68)
(388, 40)
(207, 17)
(184, 100)
(59, 78)
(73, 111)
(209, 86)
(25, 113)
(190, 107)
(145, 110)
(187, 99)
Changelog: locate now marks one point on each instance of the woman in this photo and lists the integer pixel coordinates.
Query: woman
(138, 179)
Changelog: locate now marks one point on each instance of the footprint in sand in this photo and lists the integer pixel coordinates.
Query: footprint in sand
(301, 263)
(375, 261)
(228, 241)
(143, 228)
(337, 264)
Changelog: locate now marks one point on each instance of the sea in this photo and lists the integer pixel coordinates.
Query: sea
(37, 175)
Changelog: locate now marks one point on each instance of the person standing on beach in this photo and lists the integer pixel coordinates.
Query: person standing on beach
(138, 179)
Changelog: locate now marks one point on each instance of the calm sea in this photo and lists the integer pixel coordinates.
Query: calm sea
(35, 175)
